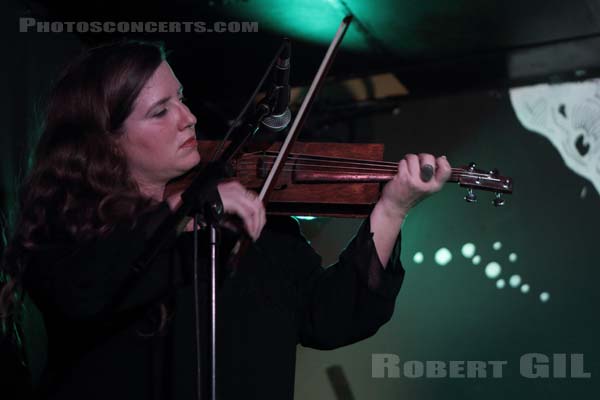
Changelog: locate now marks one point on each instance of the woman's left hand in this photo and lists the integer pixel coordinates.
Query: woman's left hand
(410, 185)
(418, 176)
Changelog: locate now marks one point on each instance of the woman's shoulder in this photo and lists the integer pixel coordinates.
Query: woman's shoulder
(118, 241)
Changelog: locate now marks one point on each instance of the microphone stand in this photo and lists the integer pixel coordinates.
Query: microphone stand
(250, 129)
(206, 181)
(283, 151)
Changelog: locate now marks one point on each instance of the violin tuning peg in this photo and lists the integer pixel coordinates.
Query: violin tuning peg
(494, 172)
(498, 200)
(471, 197)
(471, 166)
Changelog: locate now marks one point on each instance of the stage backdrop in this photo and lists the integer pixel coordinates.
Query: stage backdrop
(482, 283)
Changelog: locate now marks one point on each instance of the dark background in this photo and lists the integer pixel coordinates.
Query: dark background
(457, 60)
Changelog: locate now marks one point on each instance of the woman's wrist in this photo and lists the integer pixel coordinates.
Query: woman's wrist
(391, 211)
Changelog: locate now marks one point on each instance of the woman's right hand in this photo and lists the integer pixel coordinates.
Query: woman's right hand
(237, 200)
(245, 204)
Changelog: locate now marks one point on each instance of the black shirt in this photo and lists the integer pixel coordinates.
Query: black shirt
(102, 318)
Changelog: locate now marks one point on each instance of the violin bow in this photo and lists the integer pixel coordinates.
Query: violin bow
(298, 123)
(279, 163)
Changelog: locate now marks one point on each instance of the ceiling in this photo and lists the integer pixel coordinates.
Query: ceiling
(433, 46)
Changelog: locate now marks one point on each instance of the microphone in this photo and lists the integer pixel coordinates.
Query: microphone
(278, 97)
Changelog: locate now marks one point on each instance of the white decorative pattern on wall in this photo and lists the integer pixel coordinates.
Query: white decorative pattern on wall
(568, 114)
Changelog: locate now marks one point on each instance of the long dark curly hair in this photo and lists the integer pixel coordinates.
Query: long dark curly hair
(79, 186)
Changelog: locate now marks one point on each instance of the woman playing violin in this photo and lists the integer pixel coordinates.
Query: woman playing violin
(116, 131)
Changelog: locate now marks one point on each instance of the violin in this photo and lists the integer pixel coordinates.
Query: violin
(334, 179)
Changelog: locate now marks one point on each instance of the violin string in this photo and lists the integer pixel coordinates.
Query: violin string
(455, 174)
(326, 162)
(252, 171)
(301, 156)
(298, 156)
(286, 169)
(305, 157)
(380, 164)
(317, 167)
(324, 166)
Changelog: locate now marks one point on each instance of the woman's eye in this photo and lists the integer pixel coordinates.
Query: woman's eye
(161, 113)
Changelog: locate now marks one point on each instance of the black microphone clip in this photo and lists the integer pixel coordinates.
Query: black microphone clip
(202, 195)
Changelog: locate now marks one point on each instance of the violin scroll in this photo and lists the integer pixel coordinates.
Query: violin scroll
(472, 178)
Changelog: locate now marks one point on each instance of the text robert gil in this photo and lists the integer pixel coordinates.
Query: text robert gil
(531, 365)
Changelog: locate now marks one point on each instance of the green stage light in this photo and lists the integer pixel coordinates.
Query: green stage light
(307, 20)
(305, 217)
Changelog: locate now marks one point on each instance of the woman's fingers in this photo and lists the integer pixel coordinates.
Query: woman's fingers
(444, 170)
(425, 171)
(257, 213)
(427, 167)
(414, 169)
(245, 204)
(248, 214)
(418, 176)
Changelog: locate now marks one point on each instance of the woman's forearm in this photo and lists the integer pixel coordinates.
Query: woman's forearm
(385, 226)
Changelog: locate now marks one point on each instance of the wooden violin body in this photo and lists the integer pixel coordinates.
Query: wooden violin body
(299, 191)
(333, 179)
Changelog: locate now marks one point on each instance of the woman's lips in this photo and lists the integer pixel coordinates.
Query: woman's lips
(191, 142)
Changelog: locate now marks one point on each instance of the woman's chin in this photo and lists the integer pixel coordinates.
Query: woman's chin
(191, 160)
(188, 163)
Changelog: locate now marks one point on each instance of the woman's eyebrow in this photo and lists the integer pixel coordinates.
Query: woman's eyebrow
(158, 103)
(163, 100)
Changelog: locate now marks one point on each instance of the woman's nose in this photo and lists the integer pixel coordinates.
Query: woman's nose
(187, 118)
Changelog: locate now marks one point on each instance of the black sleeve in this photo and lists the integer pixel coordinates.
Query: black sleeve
(84, 281)
(350, 300)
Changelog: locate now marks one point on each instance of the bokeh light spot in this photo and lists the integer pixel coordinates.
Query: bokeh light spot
(525, 288)
(468, 250)
(443, 256)
(493, 270)
(476, 260)
(514, 281)
(544, 297)
(418, 257)
(512, 257)
(497, 245)
(500, 283)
